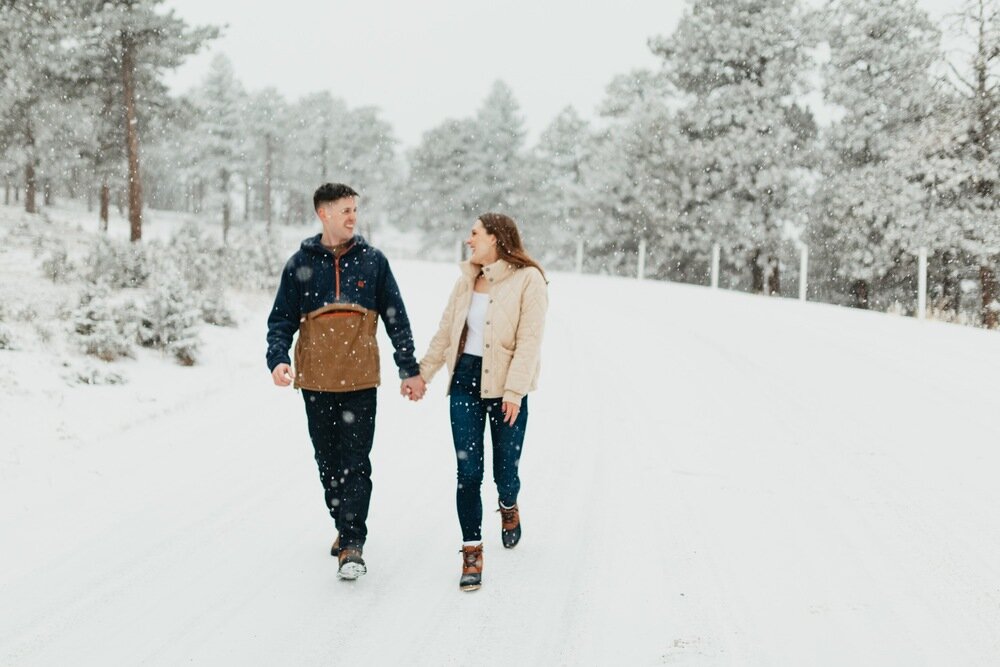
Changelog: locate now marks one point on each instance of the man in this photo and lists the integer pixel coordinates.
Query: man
(332, 292)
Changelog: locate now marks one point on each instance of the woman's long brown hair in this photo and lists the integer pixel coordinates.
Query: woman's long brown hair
(509, 246)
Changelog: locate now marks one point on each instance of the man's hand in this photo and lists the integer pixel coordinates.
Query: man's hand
(282, 375)
(413, 388)
(510, 411)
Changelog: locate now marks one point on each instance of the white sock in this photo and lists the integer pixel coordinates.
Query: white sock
(474, 543)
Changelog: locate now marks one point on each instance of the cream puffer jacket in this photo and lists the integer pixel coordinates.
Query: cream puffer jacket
(512, 340)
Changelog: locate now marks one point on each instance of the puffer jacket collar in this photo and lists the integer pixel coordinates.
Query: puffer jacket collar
(496, 272)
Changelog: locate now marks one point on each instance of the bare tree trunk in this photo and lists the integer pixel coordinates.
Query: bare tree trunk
(267, 179)
(322, 161)
(861, 291)
(47, 191)
(226, 218)
(773, 277)
(949, 285)
(756, 272)
(6, 192)
(105, 203)
(29, 173)
(246, 198)
(988, 281)
(132, 139)
(29, 187)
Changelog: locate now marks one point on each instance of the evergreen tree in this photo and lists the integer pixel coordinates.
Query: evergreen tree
(879, 75)
(135, 41)
(560, 210)
(170, 319)
(98, 330)
(220, 102)
(316, 123)
(964, 151)
(500, 130)
(740, 65)
(36, 51)
(264, 127)
(465, 167)
(365, 157)
(641, 177)
(442, 188)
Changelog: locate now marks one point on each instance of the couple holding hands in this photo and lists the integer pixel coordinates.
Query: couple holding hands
(332, 293)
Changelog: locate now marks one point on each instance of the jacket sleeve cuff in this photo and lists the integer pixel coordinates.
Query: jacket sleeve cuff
(409, 372)
(428, 370)
(512, 397)
(274, 361)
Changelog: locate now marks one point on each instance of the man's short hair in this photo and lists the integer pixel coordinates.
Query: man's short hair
(331, 192)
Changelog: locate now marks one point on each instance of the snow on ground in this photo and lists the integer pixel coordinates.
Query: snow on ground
(709, 478)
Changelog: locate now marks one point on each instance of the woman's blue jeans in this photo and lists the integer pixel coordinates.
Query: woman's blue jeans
(469, 415)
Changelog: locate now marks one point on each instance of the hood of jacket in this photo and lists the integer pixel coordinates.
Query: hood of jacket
(314, 245)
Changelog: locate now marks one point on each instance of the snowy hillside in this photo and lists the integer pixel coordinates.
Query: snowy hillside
(709, 478)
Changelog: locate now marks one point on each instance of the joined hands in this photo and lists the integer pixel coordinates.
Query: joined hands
(413, 388)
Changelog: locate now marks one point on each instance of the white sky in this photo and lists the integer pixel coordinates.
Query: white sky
(423, 62)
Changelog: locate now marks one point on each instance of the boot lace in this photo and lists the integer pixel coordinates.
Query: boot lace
(508, 517)
(471, 558)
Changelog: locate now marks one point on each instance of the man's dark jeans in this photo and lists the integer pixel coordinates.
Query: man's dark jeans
(469, 413)
(342, 427)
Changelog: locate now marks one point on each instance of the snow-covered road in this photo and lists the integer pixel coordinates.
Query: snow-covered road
(708, 479)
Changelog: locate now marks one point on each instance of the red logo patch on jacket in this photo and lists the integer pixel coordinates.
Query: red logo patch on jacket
(361, 283)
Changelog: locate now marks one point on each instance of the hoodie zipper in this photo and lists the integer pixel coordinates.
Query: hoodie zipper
(336, 271)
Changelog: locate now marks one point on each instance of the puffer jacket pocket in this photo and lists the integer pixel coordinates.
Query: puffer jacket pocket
(337, 350)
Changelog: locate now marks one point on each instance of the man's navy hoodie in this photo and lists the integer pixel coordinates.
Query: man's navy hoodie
(313, 278)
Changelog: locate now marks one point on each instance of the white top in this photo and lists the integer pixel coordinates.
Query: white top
(476, 322)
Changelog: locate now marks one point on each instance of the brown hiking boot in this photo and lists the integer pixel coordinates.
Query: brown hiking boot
(472, 568)
(352, 565)
(335, 549)
(510, 526)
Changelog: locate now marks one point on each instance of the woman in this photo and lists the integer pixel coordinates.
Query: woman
(490, 338)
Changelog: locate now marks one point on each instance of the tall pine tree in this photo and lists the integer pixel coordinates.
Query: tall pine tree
(740, 65)
(880, 77)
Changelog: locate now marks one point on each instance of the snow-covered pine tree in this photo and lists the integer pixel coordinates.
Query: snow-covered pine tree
(36, 37)
(880, 78)
(220, 100)
(57, 266)
(143, 41)
(465, 167)
(170, 318)
(640, 176)
(560, 211)
(741, 65)
(965, 149)
(116, 263)
(202, 265)
(263, 125)
(365, 158)
(501, 133)
(314, 123)
(441, 191)
(96, 326)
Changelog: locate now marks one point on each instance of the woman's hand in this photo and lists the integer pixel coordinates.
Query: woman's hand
(510, 411)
